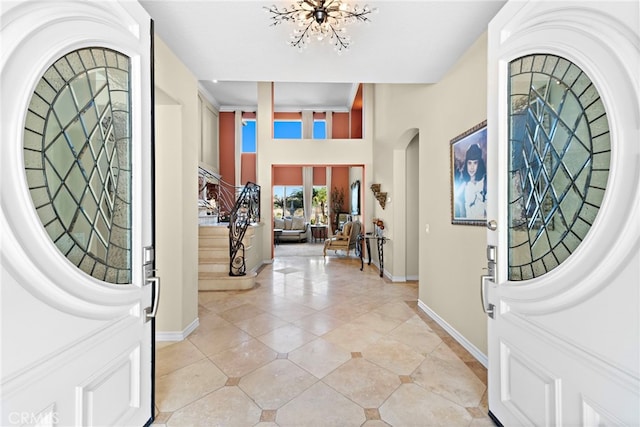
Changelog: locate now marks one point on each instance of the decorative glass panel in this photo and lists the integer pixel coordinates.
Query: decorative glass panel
(559, 162)
(77, 143)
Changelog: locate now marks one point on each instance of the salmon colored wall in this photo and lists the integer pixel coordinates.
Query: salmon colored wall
(340, 123)
(356, 115)
(287, 116)
(227, 146)
(340, 180)
(247, 168)
(356, 124)
(319, 176)
(287, 175)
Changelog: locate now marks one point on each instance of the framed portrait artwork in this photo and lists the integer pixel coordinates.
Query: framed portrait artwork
(469, 176)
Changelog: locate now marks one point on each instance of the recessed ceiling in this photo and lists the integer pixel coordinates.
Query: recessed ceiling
(232, 42)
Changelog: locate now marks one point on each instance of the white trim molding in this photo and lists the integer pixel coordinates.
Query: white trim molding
(475, 352)
(178, 335)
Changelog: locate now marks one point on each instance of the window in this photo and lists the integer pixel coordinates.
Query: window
(248, 136)
(287, 129)
(287, 201)
(320, 210)
(320, 129)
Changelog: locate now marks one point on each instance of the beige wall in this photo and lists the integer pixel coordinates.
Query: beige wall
(451, 257)
(177, 153)
(208, 125)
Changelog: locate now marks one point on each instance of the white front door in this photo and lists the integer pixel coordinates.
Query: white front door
(564, 119)
(76, 214)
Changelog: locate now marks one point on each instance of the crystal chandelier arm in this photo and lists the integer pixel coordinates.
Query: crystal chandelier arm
(299, 40)
(342, 42)
(279, 16)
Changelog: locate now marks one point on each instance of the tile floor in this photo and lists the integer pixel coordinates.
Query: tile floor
(318, 343)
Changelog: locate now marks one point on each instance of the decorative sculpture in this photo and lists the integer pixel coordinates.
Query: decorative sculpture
(380, 196)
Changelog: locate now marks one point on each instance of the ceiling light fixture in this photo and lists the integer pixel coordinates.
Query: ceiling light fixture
(320, 19)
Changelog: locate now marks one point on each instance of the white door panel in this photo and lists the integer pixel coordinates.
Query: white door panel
(76, 344)
(564, 340)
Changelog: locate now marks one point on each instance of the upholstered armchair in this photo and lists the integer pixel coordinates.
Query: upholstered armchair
(344, 240)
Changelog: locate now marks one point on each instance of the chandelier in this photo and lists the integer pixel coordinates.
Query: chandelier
(320, 19)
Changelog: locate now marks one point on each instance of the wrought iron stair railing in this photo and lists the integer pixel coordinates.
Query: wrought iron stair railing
(245, 212)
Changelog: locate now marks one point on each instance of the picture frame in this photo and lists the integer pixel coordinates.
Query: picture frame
(468, 154)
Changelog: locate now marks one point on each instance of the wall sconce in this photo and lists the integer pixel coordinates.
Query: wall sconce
(381, 197)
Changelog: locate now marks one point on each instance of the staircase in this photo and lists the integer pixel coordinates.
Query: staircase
(213, 260)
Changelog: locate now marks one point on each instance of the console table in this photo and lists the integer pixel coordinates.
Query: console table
(380, 241)
(319, 232)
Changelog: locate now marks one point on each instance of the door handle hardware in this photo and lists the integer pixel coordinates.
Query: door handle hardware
(487, 307)
(492, 225)
(150, 312)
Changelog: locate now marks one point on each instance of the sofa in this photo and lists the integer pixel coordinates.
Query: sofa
(293, 229)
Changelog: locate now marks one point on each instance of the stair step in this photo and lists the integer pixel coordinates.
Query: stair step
(224, 282)
(207, 254)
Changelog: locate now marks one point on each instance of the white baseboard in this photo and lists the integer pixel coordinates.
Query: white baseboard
(475, 352)
(177, 335)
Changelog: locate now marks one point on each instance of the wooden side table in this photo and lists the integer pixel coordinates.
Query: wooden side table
(319, 232)
(277, 232)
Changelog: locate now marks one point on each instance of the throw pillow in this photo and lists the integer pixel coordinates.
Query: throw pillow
(278, 223)
(297, 223)
(287, 224)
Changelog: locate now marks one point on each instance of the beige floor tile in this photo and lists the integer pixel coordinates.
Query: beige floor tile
(352, 337)
(393, 355)
(287, 338)
(482, 422)
(181, 387)
(319, 323)
(211, 320)
(226, 407)
(319, 357)
(276, 383)
(241, 312)
(363, 382)
(223, 303)
(417, 336)
(412, 405)
(260, 324)
(175, 356)
(376, 423)
(320, 406)
(377, 322)
(344, 311)
(216, 340)
(243, 358)
(292, 312)
(313, 300)
(396, 310)
(450, 379)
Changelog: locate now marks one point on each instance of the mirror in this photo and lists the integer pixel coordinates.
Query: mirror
(355, 198)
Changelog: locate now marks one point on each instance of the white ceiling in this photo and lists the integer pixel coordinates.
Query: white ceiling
(232, 42)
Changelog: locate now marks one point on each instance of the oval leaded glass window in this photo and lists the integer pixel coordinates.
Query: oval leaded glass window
(77, 160)
(559, 162)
